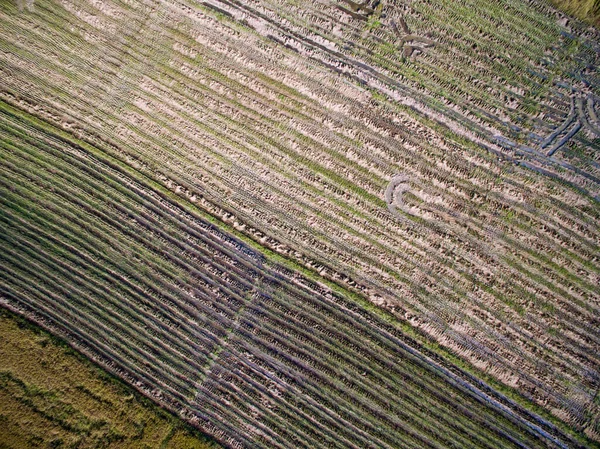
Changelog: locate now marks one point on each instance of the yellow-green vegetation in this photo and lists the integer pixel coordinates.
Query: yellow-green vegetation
(587, 10)
(50, 397)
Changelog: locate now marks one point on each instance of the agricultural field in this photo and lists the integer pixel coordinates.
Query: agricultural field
(313, 224)
(52, 397)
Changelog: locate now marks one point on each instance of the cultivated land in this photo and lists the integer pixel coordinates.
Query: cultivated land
(314, 224)
(52, 397)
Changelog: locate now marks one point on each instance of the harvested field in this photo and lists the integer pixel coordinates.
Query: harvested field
(313, 224)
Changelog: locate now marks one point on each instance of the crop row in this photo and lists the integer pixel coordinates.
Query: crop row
(193, 122)
(339, 381)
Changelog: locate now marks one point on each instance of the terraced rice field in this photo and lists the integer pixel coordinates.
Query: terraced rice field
(313, 224)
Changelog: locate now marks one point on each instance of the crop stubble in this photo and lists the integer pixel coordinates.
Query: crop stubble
(294, 146)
